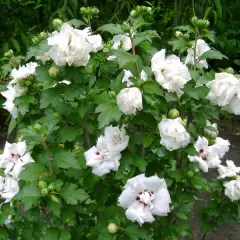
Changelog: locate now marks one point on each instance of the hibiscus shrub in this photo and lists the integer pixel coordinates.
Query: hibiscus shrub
(114, 135)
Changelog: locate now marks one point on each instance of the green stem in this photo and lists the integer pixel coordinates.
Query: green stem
(134, 54)
(195, 48)
(49, 157)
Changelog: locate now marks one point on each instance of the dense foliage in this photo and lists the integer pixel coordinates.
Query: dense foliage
(114, 132)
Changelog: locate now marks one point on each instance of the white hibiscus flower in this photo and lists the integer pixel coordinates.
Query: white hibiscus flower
(129, 100)
(144, 197)
(173, 134)
(170, 72)
(209, 156)
(201, 48)
(224, 89)
(72, 46)
(23, 72)
(232, 189)
(8, 188)
(116, 138)
(122, 40)
(14, 157)
(101, 159)
(228, 171)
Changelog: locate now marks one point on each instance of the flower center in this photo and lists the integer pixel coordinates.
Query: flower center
(15, 156)
(203, 154)
(97, 153)
(146, 197)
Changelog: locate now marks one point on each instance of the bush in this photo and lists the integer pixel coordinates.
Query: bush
(113, 135)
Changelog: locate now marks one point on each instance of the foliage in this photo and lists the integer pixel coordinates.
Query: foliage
(60, 197)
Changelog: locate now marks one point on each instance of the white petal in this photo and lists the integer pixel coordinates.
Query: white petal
(127, 197)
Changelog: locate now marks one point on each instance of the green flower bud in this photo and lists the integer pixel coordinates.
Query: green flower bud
(112, 94)
(42, 185)
(95, 11)
(43, 35)
(126, 27)
(229, 70)
(37, 126)
(57, 23)
(44, 191)
(28, 83)
(9, 54)
(15, 61)
(105, 50)
(178, 34)
(51, 187)
(112, 228)
(212, 141)
(35, 40)
(186, 36)
(54, 72)
(184, 121)
(133, 13)
(54, 198)
(83, 11)
(190, 174)
(206, 23)
(194, 20)
(173, 113)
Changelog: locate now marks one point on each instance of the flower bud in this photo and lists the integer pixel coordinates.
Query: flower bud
(133, 13)
(15, 61)
(112, 94)
(194, 20)
(173, 113)
(95, 11)
(43, 35)
(105, 50)
(186, 36)
(54, 72)
(35, 40)
(28, 83)
(51, 187)
(178, 34)
(54, 198)
(57, 23)
(229, 70)
(212, 141)
(190, 174)
(44, 191)
(126, 27)
(37, 126)
(9, 54)
(112, 228)
(42, 185)
(83, 11)
(184, 121)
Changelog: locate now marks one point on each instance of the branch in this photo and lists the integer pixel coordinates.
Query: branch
(86, 135)
(49, 157)
(134, 54)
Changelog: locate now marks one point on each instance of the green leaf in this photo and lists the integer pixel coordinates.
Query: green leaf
(71, 194)
(124, 58)
(145, 36)
(3, 234)
(52, 234)
(43, 78)
(65, 235)
(111, 28)
(181, 215)
(134, 232)
(65, 159)
(54, 207)
(199, 182)
(77, 23)
(179, 44)
(212, 54)
(15, 44)
(195, 92)
(219, 8)
(108, 112)
(12, 125)
(153, 88)
(29, 195)
(68, 133)
(38, 50)
(23, 103)
(50, 96)
(32, 171)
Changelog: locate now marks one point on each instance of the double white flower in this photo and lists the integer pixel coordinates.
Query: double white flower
(14, 157)
(72, 46)
(201, 47)
(170, 72)
(105, 156)
(144, 197)
(23, 72)
(173, 134)
(209, 156)
(232, 189)
(8, 188)
(225, 92)
(228, 171)
(129, 100)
